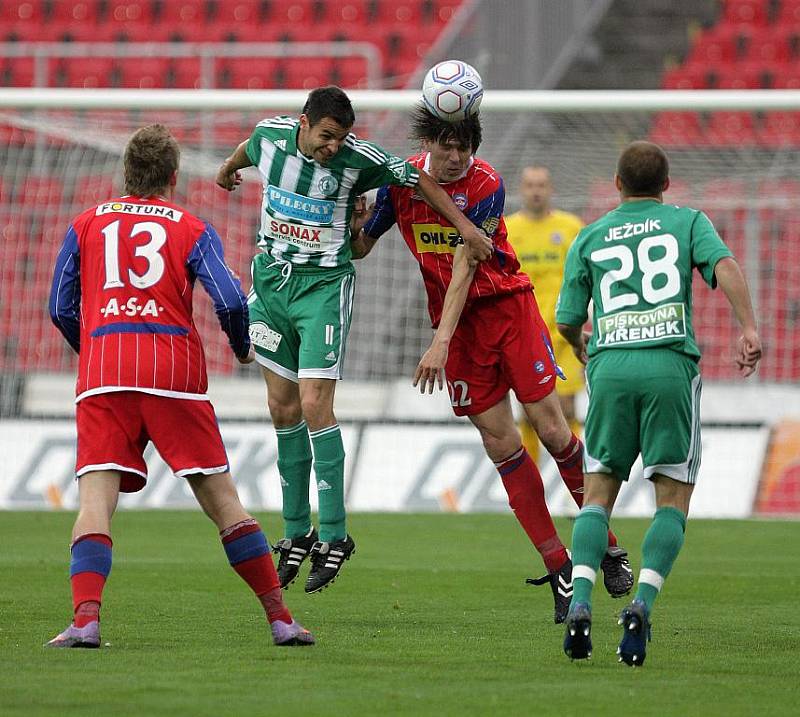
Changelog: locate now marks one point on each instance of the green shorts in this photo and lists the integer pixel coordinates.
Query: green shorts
(300, 317)
(643, 401)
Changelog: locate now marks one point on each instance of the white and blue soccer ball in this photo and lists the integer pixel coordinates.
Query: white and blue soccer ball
(452, 90)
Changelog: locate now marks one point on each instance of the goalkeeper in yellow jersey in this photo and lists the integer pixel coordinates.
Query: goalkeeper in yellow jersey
(541, 237)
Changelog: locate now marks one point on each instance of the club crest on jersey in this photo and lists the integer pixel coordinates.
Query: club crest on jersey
(460, 200)
(327, 185)
(539, 366)
(149, 210)
(556, 238)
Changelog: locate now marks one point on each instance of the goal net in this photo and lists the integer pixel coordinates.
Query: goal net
(60, 152)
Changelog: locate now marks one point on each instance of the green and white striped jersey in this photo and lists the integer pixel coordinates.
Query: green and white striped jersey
(306, 207)
(636, 265)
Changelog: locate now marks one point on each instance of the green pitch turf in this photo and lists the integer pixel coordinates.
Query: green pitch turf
(431, 617)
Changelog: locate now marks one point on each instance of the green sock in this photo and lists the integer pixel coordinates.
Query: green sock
(294, 466)
(329, 470)
(661, 546)
(589, 545)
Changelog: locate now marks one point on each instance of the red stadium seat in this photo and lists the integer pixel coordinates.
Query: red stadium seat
(677, 129)
(349, 72)
(779, 129)
(182, 12)
(308, 72)
(83, 12)
(738, 76)
(715, 45)
(248, 72)
(788, 14)
(27, 11)
(87, 71)
(730, 129)
(126, 12)
(92, 190)
(686, 77)
(185, 72)
(143, 73)
(768, 45)
(17, 72)
(745, 12)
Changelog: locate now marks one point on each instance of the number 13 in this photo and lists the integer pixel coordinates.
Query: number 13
(149, 251)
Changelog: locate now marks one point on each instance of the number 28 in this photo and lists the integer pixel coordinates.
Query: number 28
(650, 268)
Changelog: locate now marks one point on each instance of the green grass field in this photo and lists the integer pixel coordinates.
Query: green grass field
(431, 616)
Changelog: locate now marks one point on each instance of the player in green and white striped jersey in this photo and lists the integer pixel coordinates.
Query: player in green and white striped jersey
(636, 265)
(314, 171)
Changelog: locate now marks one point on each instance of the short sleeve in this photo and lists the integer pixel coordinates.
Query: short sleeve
(576, 289)
(385, 168)
(707, 248)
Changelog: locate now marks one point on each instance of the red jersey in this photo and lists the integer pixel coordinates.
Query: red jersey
(122, 297)
(480, 194)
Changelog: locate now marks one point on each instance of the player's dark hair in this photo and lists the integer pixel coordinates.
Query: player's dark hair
(643, 169)
(332, 102)
(151, 158)
(426, 126)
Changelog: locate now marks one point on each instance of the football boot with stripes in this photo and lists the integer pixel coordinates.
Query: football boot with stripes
(326, 562)
(578, 637)
(635, 634)
(561, 584)
(293, 551)
(617, 573)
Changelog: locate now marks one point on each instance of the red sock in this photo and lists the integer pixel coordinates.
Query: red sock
(275, 607)
(570, 466)
(87, 586)
(246, 539)
(523, 483)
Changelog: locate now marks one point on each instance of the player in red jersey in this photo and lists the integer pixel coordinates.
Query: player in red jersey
(122, 297)
(500, 342)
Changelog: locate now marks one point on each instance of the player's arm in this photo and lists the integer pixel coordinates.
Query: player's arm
(479, 246)
(731, 280)
(430, 370)
(371, 225)
(229, 177)
(65, 292)
(573, 303)
(207, 262)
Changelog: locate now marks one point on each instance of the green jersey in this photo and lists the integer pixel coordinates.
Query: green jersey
(306, 206)
(635, 264)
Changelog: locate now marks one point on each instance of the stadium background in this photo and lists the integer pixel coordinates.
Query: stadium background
(738, 165)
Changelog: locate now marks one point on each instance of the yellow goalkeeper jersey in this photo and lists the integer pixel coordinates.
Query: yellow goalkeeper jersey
(541, 246)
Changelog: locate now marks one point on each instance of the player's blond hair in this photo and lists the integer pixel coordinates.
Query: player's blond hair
(151, 158)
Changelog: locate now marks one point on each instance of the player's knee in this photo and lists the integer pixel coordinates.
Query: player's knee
(317, 411)
(502, 445)
(284, 413)
(554, 434)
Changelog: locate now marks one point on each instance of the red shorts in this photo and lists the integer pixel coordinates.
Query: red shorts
(114, 429)
(501, 344)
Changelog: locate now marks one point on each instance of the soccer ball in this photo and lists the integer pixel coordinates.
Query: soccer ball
(452, 90)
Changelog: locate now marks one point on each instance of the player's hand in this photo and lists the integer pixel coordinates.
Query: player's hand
(581, 351)
(251, 356)
(430, 369)
(479, 247)
(228, 180)
(748, 352)
(361, 215)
